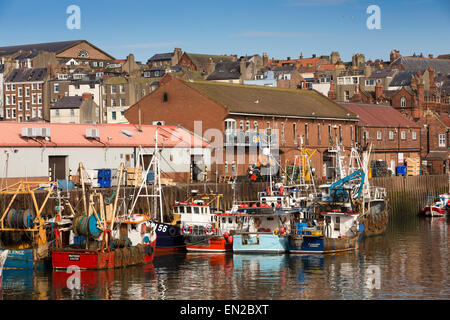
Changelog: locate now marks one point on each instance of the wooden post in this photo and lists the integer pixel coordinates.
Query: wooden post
(117, 196)
(82, 187)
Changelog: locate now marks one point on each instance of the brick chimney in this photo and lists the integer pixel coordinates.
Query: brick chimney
(432, 77)
(420, 94)
(378, 91)
(87, 96)
(331, 93)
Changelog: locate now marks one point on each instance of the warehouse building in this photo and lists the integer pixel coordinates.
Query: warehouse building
(37, 151)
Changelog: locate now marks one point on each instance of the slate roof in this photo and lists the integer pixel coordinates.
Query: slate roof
(260, 100)
(227, 70)
(202, 60)
(68, 103)
(403, 77)
(161, 56)
(417, 63)
(382, 73)
(49, 47)
(376, 115)
(27, 75)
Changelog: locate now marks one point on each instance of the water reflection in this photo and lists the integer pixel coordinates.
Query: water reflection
(409, 262)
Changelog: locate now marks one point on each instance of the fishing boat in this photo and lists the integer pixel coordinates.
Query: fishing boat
(169, 237)
(262, 230)
(204, 226)
(333, 223)
(439, 207)
(336, 227)
(24, 232)
(374, 204)
(3, 256)
(103, 239)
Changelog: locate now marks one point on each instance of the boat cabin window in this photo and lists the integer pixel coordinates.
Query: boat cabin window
(223, 220)
(212, 219)
(196, 209)
(188, 209)
(230, 220)
(337, 224)
(269, 218)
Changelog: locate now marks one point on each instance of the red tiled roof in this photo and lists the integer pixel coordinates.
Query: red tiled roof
(73, 135)
(445, 121)
(375, 115)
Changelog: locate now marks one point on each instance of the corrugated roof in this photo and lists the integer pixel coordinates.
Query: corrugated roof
(375, 115)
(272, 101)
(73, 135)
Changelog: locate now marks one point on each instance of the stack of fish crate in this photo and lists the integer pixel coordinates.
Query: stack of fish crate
(134, 176)
(412, 166)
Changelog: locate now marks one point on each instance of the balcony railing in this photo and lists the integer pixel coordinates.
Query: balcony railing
(250, 139)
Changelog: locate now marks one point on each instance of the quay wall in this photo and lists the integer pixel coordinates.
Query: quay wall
(407, 195)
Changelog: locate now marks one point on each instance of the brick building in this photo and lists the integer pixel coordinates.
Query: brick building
(240, 112)
(393, 136)
(25, 94)
(435, 143)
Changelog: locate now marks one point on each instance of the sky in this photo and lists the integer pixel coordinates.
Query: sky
(283, 28)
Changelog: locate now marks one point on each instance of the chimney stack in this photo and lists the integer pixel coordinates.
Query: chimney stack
(378, 91)
(87, 96)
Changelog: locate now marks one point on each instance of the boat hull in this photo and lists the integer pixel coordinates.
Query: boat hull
(26, 259)
(434, 211)
(376, 221)
(260, 243)
(169, 238)
(94, 260)
(208, 244)
(323, 245)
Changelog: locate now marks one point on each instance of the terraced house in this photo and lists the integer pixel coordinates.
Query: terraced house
(249, 117)
(25, 93)
(118, 93)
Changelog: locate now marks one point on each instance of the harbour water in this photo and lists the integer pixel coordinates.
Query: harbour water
(410, 261)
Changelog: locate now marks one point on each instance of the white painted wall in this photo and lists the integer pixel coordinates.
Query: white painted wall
(65, 116)
(1, 94)
(323, 88)
(85, 88)
(34, 162)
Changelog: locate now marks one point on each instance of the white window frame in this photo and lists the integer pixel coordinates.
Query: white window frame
(56, 87)
(391, 135)
(403, 102)
(20, 92)
(442, 142)
(27, 92)
(379, 135)
(403, 135)
(414, 135)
